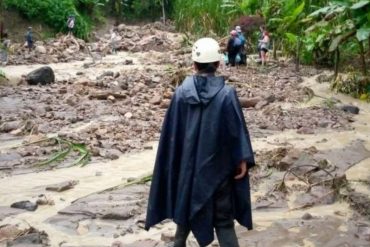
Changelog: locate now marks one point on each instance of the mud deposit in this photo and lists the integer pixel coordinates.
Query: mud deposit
(310, 186)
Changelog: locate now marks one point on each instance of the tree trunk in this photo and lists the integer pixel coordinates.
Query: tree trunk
(1, 21)
(164, 12)
(297, 54)
(274, 53)
(363, 61)
(337, 58)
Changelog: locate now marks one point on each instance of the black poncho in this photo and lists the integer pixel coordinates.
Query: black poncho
(204, 138)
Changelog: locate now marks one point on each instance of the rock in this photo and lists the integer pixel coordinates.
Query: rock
(156, 100)
(116, 235)
(40, 49)
(306, 131)
(249, 102)
(288, 159)
(71, 100)
(26, 205)
(349, 108)
(144, 243)
(261, 104)
(62, 90)
(111, 154)
(118, 215)
(156, 79)
(128, 62)
(62, 186)
(10, 126)
(83, 81)
(307, 216)
(128, 115)
(117, 244)
(111, 98)
(43, 200)
(165, 104)
(106, 74)
(98, 174)
(44, 75)
(270, 98)
(148, 147)
(167, 237)
(123, 85)
(121, 27)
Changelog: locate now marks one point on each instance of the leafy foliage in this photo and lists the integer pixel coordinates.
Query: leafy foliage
(66, 148)
(354, 84)
(56, 12)
(2, 74)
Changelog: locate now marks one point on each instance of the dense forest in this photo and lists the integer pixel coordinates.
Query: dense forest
(322, 32)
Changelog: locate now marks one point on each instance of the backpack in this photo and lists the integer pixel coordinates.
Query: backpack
(237, 42)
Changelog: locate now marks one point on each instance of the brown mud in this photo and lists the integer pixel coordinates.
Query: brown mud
(310, 186)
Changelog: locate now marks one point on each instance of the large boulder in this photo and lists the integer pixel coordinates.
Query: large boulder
(41, 49)
(44, 75)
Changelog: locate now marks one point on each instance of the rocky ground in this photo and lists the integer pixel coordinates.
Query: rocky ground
(310, 186)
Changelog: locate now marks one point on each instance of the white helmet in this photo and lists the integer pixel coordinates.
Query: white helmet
(206, 50)
(238, 29)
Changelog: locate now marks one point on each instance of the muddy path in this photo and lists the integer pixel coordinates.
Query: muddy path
(310, 186)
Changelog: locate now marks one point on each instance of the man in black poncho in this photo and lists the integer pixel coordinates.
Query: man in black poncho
(200, 177)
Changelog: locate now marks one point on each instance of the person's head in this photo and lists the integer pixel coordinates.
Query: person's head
(206, 55)
(265, 33)
(29, 28)
(233, 33)
(238, 29)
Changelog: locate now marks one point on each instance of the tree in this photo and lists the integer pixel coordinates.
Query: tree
(341, 23)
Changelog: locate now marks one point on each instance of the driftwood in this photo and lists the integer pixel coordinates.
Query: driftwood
(105, 95)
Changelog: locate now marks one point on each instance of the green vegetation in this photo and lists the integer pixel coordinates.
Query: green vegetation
(2, 74)
(323, 32)
(55, 13)
(66, 147)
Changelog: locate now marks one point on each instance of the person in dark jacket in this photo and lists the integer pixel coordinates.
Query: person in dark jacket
(200, 177)
(233, 47)
(242, 52)
(29, 39)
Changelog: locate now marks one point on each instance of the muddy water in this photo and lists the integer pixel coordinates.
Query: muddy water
(65, 71)
(96, 177)
(93, 178)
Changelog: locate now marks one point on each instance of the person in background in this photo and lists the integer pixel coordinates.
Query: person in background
(200, 177)
(29, 39)
(114, 39)
(233, 47)
(5, 44)
(260, 37)
(71, 24)
(242, 53)
(264, 44)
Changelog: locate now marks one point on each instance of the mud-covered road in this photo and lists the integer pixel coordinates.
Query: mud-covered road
(310, 186)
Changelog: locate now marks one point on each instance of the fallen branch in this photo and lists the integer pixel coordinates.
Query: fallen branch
(105, 95)
(141, 180)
